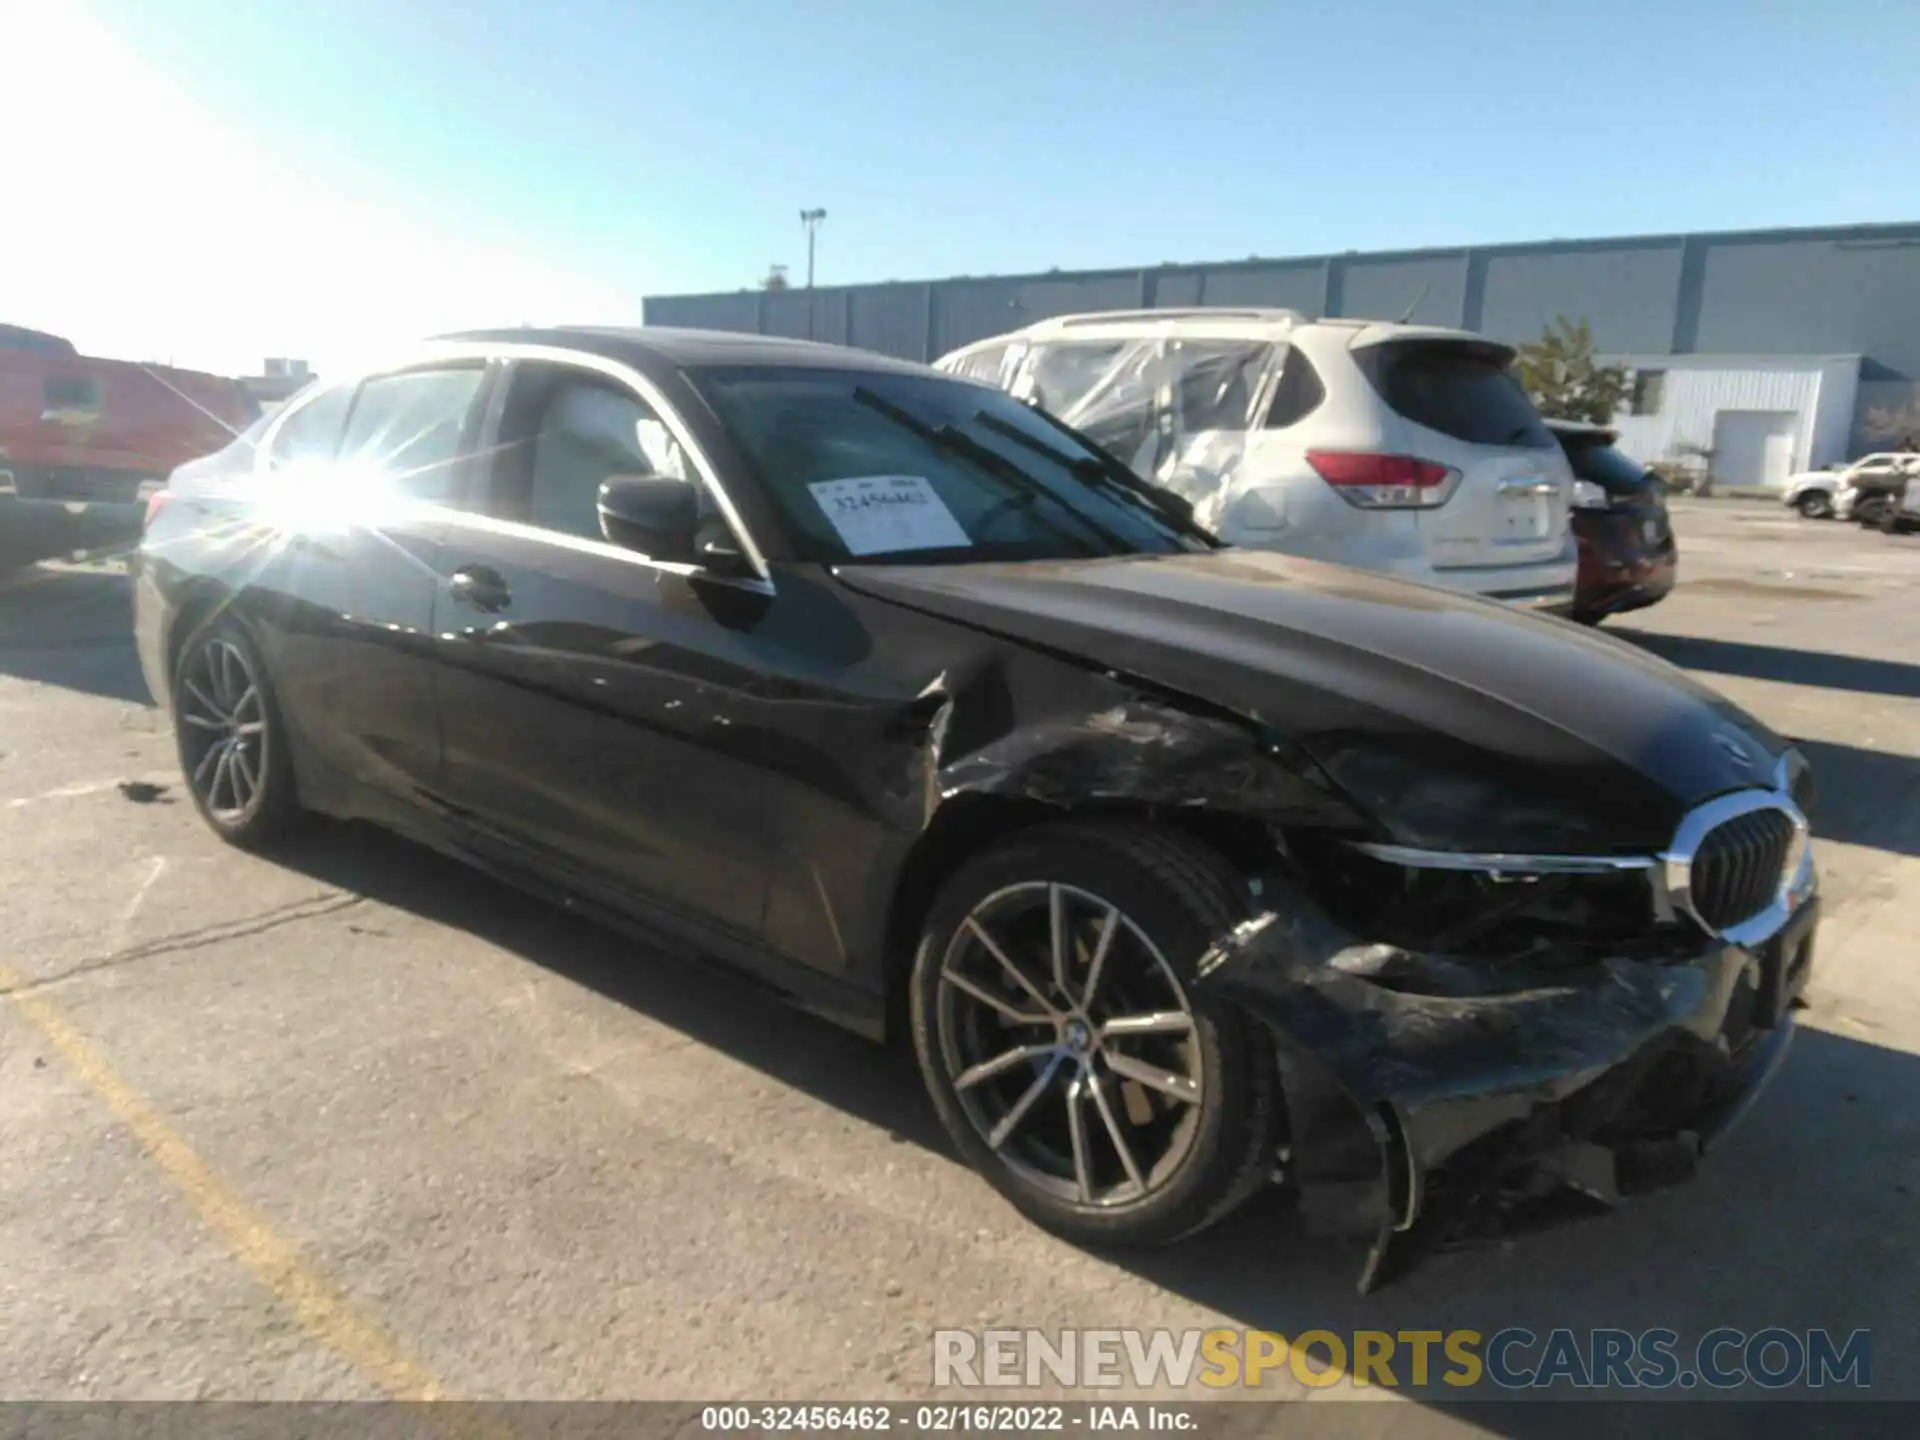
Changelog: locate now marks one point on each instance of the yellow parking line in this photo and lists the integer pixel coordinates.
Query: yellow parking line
(325, 1311)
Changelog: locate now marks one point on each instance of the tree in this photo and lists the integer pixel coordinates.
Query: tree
(776, 278)
(1564, 380)
(1893, 424)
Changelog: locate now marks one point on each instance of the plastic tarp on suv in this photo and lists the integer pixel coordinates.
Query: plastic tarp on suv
(1179, 412)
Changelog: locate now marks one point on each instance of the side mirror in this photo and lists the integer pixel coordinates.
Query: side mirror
(654, 514)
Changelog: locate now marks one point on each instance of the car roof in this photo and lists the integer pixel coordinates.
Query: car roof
(649, 346)
(1209, 320)
(1222, 321)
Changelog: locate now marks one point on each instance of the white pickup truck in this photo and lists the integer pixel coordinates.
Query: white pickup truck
(1830, 494)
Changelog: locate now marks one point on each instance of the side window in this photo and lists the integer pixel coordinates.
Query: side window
(1108, 390)
(1060, 376)
(984, 365)
(312, 432)
(410, 425)
(1215, 382)
(1298, 394)
(73, 394)
(588, 431)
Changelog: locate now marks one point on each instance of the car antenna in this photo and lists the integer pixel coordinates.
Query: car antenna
(1408, 315)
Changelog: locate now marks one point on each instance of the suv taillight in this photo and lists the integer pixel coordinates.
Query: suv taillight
(156, 502)
(1385, 482)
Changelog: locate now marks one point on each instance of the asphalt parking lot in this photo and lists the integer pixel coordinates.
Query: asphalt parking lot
(355, 1123)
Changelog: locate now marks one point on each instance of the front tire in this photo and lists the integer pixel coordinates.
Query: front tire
(232, 741)
(1815, 505)
(1069, 1054)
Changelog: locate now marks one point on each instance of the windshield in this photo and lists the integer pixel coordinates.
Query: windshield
(872, 466)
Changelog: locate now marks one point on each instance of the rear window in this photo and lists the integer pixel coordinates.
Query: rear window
(17, 337)
(312, 432)
(234, 458)
(1298, 394)
(1456, 389)
(1612, 470)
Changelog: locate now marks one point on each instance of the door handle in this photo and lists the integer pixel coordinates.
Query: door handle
(480, 586)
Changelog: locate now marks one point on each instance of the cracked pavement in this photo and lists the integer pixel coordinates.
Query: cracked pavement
(533, 1160)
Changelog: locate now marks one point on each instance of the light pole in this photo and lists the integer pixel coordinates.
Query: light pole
(811, 220)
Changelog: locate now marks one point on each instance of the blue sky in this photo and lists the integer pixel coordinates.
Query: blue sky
(618, 148)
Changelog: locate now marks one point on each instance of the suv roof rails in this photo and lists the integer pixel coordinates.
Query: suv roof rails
(1184, 312)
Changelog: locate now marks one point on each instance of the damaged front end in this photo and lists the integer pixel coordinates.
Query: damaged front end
(1557, 1046)
(1532, 908)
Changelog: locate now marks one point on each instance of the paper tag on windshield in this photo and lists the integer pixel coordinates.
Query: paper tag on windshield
(877, 514)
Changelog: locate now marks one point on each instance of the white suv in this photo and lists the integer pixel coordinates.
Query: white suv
(1405, 448)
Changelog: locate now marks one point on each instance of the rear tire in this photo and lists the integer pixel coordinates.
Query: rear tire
(231, 738)
(1815, 505)
(1037, 1091)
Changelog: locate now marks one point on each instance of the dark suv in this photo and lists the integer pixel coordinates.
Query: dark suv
(1628, 558)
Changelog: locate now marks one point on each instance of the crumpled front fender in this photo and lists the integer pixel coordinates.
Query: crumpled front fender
(1142, 750)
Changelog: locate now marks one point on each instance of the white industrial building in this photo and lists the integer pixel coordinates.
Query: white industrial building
(1760, 418)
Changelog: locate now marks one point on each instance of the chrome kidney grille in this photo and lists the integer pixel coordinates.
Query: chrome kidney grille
(1741, 864)
(1739, 867)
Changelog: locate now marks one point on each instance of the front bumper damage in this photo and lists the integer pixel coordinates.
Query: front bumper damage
(1434, 1100)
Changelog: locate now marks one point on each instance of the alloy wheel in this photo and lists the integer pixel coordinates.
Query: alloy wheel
(223, 720)
(1070, 1044)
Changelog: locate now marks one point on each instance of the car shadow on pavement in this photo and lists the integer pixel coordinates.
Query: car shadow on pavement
(72, 628)
(1865, 797)
(1819, 668)
(1746, 1245)
(707, 1003)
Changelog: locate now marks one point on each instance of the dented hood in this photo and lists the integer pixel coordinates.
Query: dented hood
(1456, 722)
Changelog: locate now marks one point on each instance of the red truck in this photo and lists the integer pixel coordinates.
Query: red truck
(81, 438)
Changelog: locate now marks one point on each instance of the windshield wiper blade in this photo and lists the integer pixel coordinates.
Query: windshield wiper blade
(954, 442)
(1083, 467)
(1102, 467)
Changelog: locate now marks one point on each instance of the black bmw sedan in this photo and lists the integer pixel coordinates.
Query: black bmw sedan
(1187, 870)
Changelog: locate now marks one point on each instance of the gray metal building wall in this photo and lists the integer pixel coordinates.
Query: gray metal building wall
(1851, 290)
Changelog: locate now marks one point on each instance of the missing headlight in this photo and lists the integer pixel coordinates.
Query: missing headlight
(1494, 908)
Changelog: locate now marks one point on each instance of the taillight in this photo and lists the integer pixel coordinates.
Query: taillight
(1385, 482)
(156, 502)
